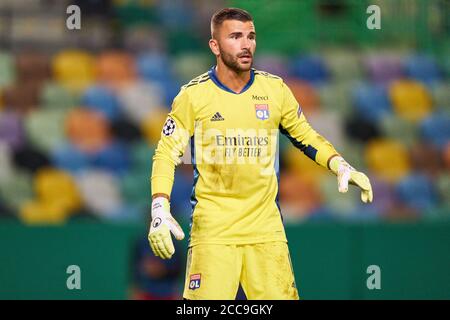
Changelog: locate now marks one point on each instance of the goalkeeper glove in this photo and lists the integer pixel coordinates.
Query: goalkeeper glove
(162, 224)
(346, 173)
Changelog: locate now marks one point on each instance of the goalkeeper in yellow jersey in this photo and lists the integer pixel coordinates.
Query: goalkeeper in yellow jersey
(231, 117)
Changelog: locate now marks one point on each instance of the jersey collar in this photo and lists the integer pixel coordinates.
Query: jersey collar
(212, 75)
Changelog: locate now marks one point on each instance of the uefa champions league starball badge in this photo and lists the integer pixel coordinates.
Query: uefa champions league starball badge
(169, 127)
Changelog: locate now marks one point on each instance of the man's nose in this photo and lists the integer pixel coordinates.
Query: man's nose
(246, 44)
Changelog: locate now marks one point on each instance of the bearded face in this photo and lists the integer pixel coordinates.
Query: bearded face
(236, 44)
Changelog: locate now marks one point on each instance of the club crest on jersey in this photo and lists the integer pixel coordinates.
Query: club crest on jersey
(262, 111)
(194, 281)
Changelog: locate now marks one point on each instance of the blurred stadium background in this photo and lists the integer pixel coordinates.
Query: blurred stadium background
(81, 112)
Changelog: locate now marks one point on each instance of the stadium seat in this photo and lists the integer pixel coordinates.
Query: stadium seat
(45, 128)
(11, 129)
(383, 68)
(16, 188)
(153, 67)
(336, 96)
(156, 68)
(129, 213)
(417, 192)
(142, 157)
(353, 151)
(95, 8)
(102, 99)
(116, 68)
(188, 66)
(74, 69)
(273, 64)
(140, 38)
(7, 69)
(22, 97)
(303, 166)
(365, 213)
(310, 68)
(422, 68)
(54, 96)
(323, 213)
(139, 99)
(181, 191)
(343, 205)
(444, 63)
(441, 96)
(130, 13)
(410, 99)
(29, 158)
(32, 67)
(358, 128)
(388, 159)
(443, 187)
(135, 189)
(152, 125)
(5, 211)
(436, 129)
(69, 158)
(400, 129)
(42, 213)
(175, 15)
(57, 187)
(171, 88)
(100, 192)
(305, 94)
(284, 144)
(446, 155)
(371, 101)
(439, 213)
(87, 129)
(385, 201)
(113, 158)
(343, 64)
(6, 168)
(329, 124)
(125, 131)
(425, 158)
(297, 196)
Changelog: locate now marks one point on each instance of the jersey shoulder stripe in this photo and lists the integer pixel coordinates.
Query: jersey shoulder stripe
(201, 78)
(266, 74)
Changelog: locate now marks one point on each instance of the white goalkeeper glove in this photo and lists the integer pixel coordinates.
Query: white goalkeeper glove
(346, 173)
(161, 226)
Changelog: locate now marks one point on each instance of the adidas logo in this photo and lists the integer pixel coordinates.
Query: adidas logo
(217, 117)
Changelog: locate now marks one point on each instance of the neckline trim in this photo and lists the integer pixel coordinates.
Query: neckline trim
(213, 76)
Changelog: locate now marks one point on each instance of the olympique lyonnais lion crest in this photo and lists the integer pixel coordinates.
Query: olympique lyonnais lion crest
(194, 281)
(262, 111)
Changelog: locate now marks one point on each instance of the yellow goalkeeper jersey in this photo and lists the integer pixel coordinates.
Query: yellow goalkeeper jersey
(233, 140)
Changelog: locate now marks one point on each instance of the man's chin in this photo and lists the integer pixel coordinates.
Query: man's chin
(243, 67)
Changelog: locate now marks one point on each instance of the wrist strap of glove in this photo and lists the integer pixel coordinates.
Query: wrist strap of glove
(337, 162)
(160, 207)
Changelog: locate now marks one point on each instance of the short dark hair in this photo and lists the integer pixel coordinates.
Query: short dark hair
(228, 14)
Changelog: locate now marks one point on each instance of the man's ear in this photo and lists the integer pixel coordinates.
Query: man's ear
(214, 46)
